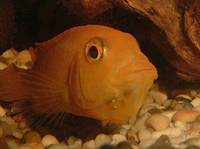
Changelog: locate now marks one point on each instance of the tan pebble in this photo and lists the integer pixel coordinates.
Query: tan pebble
(185, 116)
(132, 137)
(22, 58)
(144, 134)
(167, 103)
(71, 140)
(10, 53)
(101, 140)
(197, 108)
(170, 131)
(48, 140)
(89, 144)
(158, 96)
(196, 102)
(23, 125)
(157, 122)
(117, 138)
(3, 65)
(123, 131)
(8, 120)
(31, 137)
(17, 133)
(12, 142)
(140, 123)
(2, 111)
(148, 99)
(78, 143)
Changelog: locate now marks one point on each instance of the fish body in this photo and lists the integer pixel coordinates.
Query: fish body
(92, 71)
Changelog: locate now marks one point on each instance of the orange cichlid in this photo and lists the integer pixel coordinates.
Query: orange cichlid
(91, 71)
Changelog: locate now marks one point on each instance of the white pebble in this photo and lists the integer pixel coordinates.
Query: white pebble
(144, 134)
(101, 140)
(48, 140)
(89, 144)
(127, 127)
(3, 65)
(117, 138)
(181, 125)
(158, 96)
(169, 114)
(140, 123)
(170, 131)
(196, 102)
(183, 96)
(2, 111)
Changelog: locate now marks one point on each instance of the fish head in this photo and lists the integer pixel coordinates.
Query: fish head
(113, 75)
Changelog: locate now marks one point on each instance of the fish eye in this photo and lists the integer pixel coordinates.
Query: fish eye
(95, 50)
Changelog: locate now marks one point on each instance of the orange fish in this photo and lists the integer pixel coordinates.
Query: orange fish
(91, 71)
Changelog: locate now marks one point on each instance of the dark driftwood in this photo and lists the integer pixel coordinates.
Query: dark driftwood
(178, 19)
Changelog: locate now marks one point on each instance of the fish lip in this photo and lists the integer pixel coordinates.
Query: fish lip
(140, 70)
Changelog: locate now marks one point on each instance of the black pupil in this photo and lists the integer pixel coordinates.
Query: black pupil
(93, 52)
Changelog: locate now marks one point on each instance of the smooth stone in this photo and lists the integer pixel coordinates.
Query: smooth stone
(117, 138)
(78, 143)
(2, 111)
(140, 123)
(158, 96)
(144, 135)
(185, 116)
(11, 142)
(10, 53)
(123, 131)
(157, 122)
(48, 140)
(196, 102)
(170, 131)
(71, 140)
(192, 141)
(17, 133)
(167, 103)
(22, 58)
(31, 137)
(101, 140)
(123, 145)
(89, 144)
(164, 139)
(132, 120)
